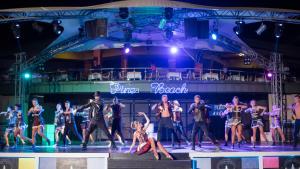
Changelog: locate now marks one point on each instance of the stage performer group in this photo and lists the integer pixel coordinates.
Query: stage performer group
(108, 118)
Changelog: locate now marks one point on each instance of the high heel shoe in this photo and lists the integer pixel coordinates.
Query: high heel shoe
(156, 156)
(169, 157)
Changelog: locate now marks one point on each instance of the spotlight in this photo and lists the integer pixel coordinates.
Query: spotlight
(127, 48)
(168, 13)
(238, 28)
(214, 36)
(123, 13)
(247, 60)
(162, 23)
(173, 50)
(16, 30)
(261, 29)
(27, 75)
(278, 30)
(56, 27)
(169, 34)
(269, 74)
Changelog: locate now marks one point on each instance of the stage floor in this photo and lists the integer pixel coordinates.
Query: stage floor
(206, 148)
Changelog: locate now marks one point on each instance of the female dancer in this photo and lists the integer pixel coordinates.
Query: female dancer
(70, 123)
(177, 122)
(275, 124)
(146, 143)
(85, 123)
(235, 121)
(36, 111)
(11, 117)
(59, 123)
(227, 126)
(254, 110)
(20, 125)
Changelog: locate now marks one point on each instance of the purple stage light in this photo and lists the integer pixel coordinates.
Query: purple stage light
(127, 50)
(173, 50)
(269, 74)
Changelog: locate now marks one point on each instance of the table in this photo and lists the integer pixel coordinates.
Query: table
(237, 77)
(62, 77)
(174, 76)
(95, 76)
(210, 76)
(134, 75)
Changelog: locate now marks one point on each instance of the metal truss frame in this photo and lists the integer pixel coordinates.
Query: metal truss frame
(48, 53)
(242, 14)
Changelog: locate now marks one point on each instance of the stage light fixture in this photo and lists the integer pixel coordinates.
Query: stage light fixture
(173, 50)
(214, 36)
(214, 32)
(56, 27)
(278, 30)
(27, 75)
(16, 30)
(247, 60)
(269, 75)
(162, 23)
(168, 13)
(127, 48)
(238, 28)
(123, 13)
(261, 29)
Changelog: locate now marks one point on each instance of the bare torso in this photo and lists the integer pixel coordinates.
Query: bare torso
(165, 111)
(297, 110)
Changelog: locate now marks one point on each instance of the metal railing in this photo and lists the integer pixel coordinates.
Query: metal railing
(124, 74)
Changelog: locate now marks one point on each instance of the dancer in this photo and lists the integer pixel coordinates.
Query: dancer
(146, 143)
(20, 125)
(84, 123)
(234, 110)
(257, 123)
(116, 118)
(296, 116)
(59, 123)
(199, 111)
(227, 126)
(177, 122)
(109, 120)
(164, 114)
(12, 119)
(96, 119)
(70, 123)
(275, 124)
(36, 111)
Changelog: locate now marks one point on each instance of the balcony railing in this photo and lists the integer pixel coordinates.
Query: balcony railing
(124, 74)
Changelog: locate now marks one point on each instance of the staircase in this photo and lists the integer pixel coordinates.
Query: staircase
(146, 161)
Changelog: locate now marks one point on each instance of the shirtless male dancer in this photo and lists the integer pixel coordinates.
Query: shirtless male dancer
(296, 116)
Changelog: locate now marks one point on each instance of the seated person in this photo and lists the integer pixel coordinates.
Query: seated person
(146, 143)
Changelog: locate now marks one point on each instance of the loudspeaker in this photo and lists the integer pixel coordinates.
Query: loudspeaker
(196, 28)
(96, 28)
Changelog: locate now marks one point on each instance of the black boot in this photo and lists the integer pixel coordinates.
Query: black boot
(226, 144)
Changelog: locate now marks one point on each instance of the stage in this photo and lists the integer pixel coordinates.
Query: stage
(100, 156)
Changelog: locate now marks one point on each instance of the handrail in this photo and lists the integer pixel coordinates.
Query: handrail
(147, 73)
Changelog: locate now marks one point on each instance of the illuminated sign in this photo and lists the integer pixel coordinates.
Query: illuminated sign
(118, 88)
(160, 88)
(156, 88)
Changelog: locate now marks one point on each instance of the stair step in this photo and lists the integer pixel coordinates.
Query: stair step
(146, 164)
(147, 156)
